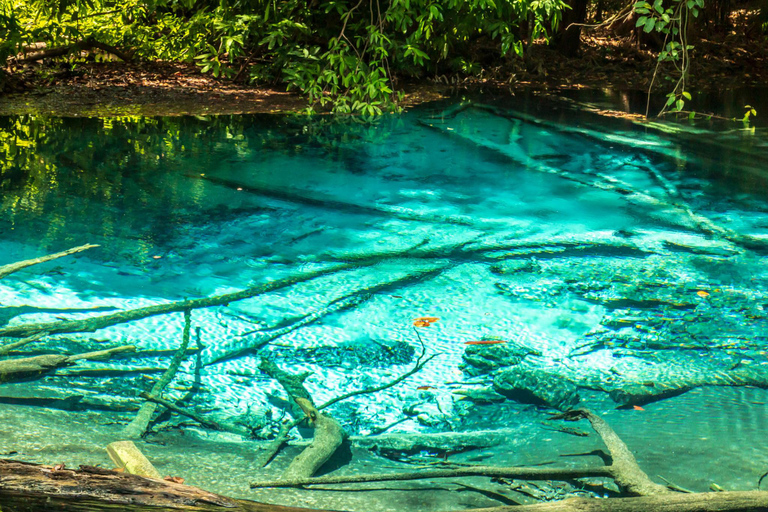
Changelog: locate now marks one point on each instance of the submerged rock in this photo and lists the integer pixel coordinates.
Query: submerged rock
(360, 352)
(539, 387)
(484, 359)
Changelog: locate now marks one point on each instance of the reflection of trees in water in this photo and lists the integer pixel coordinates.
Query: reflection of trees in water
(127, 177)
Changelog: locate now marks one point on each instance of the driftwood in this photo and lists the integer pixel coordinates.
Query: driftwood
(34, 367)
(32, 487)
(138, 426)
(647, 495)
(329, 435)
(5, 349)
(327, 203)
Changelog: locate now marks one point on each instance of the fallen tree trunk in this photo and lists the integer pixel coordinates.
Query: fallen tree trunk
(26, 487)
(84, 45)
(623, 468)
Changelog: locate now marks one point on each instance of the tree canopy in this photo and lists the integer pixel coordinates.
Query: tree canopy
(348, 54)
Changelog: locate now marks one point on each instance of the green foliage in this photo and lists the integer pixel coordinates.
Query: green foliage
(345, 54)
(671, 19)
(750, 112)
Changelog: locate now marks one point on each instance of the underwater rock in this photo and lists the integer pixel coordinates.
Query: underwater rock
(364, 351)
(533, 386)
(484, 359)
(480, 396)
(515, 266)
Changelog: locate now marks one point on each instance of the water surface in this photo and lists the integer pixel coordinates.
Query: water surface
(576, 242)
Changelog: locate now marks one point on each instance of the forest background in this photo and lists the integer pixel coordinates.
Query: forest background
(359, 55)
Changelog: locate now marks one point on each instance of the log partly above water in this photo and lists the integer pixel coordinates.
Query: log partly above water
(26, 487)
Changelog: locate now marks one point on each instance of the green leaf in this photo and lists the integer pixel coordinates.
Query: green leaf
(679, 104)
(641, 21)
(649, 24)
(686, 95)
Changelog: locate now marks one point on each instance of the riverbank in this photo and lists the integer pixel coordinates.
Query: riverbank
(161, 88)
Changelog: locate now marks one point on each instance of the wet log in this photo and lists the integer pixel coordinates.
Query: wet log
(623, 468)
(205, 422)
(32, 487)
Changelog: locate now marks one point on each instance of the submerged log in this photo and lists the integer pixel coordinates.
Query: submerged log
(623, 468)
(100, 322)
(6, 270)
(138, 426)
(329, 435)
(32, 487)
(745, 501)
(37, 366)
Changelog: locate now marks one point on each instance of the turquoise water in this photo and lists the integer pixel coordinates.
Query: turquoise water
(597, 252)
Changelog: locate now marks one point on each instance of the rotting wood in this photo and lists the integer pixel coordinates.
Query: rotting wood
(327, 203)
(625, 470)
(34, 367)
(329, 435)
(6, 270)
(677, 214)
(259, 339)
(451, 252)
(32, 487)
(293, 385)
(523, 473)
(138, 426)
(5, 349)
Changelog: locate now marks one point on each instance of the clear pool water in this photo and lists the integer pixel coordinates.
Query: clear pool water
(607, 254)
